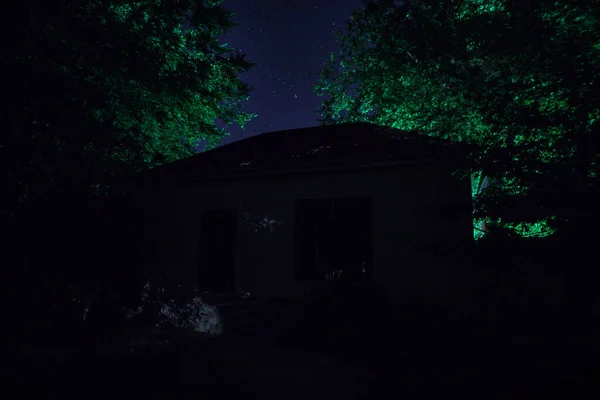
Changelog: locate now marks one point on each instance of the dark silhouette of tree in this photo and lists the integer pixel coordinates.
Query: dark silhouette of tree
(95, 89)
(518, 78)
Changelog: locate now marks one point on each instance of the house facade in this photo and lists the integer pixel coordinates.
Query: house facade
(278, 213)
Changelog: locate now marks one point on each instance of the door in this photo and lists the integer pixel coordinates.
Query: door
(217, 250)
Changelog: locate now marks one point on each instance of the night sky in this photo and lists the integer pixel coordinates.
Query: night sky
(287, 39)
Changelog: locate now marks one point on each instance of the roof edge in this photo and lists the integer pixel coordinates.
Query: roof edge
(307, 169)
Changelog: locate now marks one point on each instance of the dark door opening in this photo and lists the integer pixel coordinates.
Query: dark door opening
(332, 235)
(217, 250)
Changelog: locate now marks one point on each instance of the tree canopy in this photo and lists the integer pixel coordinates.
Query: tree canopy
(94, 89)
(518, 78)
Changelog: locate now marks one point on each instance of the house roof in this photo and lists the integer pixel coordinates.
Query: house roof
(342, 145)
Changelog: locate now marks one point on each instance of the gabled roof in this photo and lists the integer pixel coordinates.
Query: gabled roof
(342, 145)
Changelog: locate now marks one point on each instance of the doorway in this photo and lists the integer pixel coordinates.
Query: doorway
(217, 250)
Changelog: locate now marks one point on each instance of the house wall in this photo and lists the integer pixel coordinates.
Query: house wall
(413, 208)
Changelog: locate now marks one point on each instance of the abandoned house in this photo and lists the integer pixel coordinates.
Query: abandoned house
(276, 213)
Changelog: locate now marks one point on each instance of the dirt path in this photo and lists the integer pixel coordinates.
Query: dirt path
(285, 373)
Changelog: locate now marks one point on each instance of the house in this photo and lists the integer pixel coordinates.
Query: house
(274, 213)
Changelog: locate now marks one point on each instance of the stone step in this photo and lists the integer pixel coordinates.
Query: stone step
(246, 328)
(240, 311)
(249, 317)
(241, 317)
(238, 307)
(219, 298)
(239, 323)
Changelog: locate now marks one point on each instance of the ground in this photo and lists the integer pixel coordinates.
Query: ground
(421, 357)
(193, 367)
(287, 373)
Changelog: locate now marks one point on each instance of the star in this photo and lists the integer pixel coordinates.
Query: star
(284, 50)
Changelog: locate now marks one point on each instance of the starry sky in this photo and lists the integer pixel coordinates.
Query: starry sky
(287, 39)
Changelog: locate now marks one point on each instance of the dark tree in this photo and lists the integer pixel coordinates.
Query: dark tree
(518, 78)
(95, 89)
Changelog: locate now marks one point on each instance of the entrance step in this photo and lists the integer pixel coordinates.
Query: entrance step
(241, 317)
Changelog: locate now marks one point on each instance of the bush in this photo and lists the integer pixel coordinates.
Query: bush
(194, 314)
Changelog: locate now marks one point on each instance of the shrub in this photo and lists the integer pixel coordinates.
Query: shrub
(195, 314)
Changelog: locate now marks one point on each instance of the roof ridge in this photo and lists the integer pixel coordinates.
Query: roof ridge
(316, 145)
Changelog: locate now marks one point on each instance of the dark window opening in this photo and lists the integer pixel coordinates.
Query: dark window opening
(332, 235)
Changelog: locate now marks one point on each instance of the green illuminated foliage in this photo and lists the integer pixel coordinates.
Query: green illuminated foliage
(103, 88)
(520, 79)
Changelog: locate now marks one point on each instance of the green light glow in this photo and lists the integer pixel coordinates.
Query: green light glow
(124, 86)
(496, 73)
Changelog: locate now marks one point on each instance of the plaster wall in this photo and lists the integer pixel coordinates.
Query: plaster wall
(410, 212)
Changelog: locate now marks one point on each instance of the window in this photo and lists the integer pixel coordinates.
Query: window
(332, 235)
